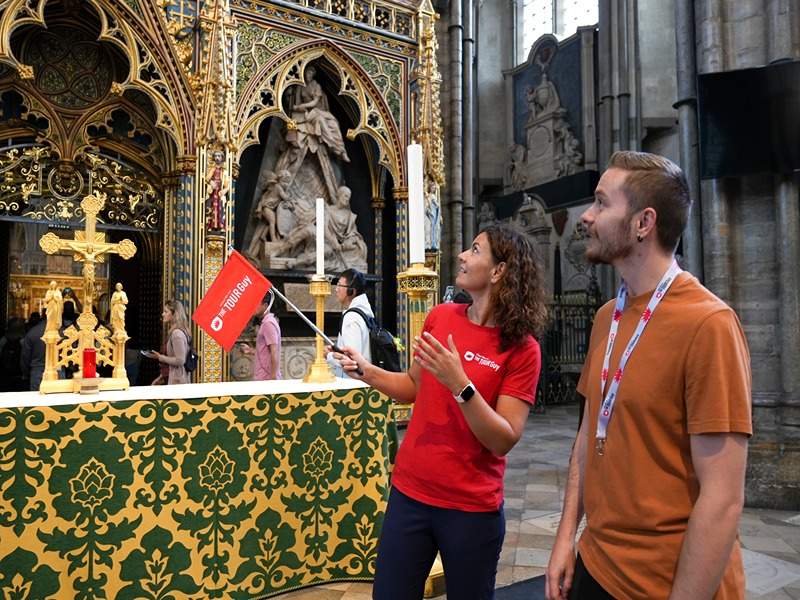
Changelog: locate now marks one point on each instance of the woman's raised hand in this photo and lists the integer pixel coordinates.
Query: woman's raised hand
(443, 363)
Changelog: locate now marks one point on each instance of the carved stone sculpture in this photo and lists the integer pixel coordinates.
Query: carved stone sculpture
(515, 170)
(433, 225)
(486, 216)
(344, 245)
(275, 192)
(283, 234)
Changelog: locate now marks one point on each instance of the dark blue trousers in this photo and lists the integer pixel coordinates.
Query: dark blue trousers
(469, 542)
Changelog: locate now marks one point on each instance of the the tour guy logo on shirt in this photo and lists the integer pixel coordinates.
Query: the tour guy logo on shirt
(484, 361)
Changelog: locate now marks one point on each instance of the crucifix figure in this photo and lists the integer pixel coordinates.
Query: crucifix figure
(89, 247)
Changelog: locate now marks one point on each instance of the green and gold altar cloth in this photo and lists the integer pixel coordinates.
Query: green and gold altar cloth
(224, 490)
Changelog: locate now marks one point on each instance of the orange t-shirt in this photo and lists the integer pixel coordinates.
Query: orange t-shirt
(689, 374)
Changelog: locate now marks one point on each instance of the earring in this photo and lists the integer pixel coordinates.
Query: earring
(639, 237)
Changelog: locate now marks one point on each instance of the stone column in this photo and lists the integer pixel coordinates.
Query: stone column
(716, 238)
(788, 241)
(687, 131)
(454, 222)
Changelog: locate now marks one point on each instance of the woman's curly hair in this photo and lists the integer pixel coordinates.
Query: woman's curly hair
(517, 300)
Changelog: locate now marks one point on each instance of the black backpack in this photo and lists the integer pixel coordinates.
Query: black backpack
(190, 364)
(381, 343)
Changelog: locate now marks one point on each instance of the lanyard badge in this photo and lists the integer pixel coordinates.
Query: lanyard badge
(604, 416)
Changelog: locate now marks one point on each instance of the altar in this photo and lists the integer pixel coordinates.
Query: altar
(225, 490)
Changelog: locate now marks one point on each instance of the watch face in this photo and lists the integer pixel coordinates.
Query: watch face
(468, 392)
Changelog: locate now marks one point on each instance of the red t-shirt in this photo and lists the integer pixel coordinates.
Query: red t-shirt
(440, 461)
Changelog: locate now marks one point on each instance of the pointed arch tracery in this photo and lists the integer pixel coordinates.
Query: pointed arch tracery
(263, 98)
(154, 67)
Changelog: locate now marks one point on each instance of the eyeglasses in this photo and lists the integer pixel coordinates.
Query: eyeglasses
(341, 286)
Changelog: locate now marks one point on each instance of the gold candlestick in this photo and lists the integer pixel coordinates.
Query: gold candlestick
(418, 282)
(320, 371)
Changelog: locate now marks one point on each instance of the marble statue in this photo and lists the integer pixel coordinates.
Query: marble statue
(275, 192)
(119, 302)
(344, 245)
(54, 303)
(543, 99)
(486, 216)
(515, 170)
(315, 130)
(433, 226)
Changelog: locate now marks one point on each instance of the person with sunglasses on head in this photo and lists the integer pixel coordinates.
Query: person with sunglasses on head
(350, 291)
(472, 382)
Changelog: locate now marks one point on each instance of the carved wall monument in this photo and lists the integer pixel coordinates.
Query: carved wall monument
(553, 132)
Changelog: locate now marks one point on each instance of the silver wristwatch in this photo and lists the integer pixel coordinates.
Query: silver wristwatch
(465, 394)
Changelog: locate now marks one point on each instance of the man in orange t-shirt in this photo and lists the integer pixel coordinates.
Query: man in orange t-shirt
(658, 465)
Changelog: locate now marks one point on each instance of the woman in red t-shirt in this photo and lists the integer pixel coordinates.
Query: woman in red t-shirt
(472, 382)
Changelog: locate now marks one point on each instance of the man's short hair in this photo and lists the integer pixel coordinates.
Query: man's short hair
(356, 282)
(657, 182)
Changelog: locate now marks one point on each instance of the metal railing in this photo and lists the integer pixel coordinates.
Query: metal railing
(564, 347)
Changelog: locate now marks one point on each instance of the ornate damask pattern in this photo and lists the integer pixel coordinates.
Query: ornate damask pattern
(228, 497)
(256, 46)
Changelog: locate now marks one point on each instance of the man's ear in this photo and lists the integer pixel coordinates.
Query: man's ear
(646, 223)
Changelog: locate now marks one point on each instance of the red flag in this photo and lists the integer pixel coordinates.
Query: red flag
(231, 300)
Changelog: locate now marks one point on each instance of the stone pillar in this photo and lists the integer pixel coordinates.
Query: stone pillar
(788, 247)
(687, 131)
(468, 175)
(454, 222)
(716, 238)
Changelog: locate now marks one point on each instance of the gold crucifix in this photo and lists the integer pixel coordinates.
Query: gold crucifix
(89, 247)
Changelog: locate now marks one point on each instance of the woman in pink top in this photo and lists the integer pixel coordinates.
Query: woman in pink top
(268, 343)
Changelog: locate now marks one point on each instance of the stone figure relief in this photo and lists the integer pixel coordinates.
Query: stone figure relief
(575, 252)
(433, 220)
(283, 234)
(344, 245)
(515, 169)
(543, 99)
(551, 150)
(275, 192)
(568, 158)
(486, 216)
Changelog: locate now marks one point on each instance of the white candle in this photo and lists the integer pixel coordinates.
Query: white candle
(320, 236)
(416, 206)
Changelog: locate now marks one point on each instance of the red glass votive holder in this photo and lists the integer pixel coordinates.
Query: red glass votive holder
(89, 363)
